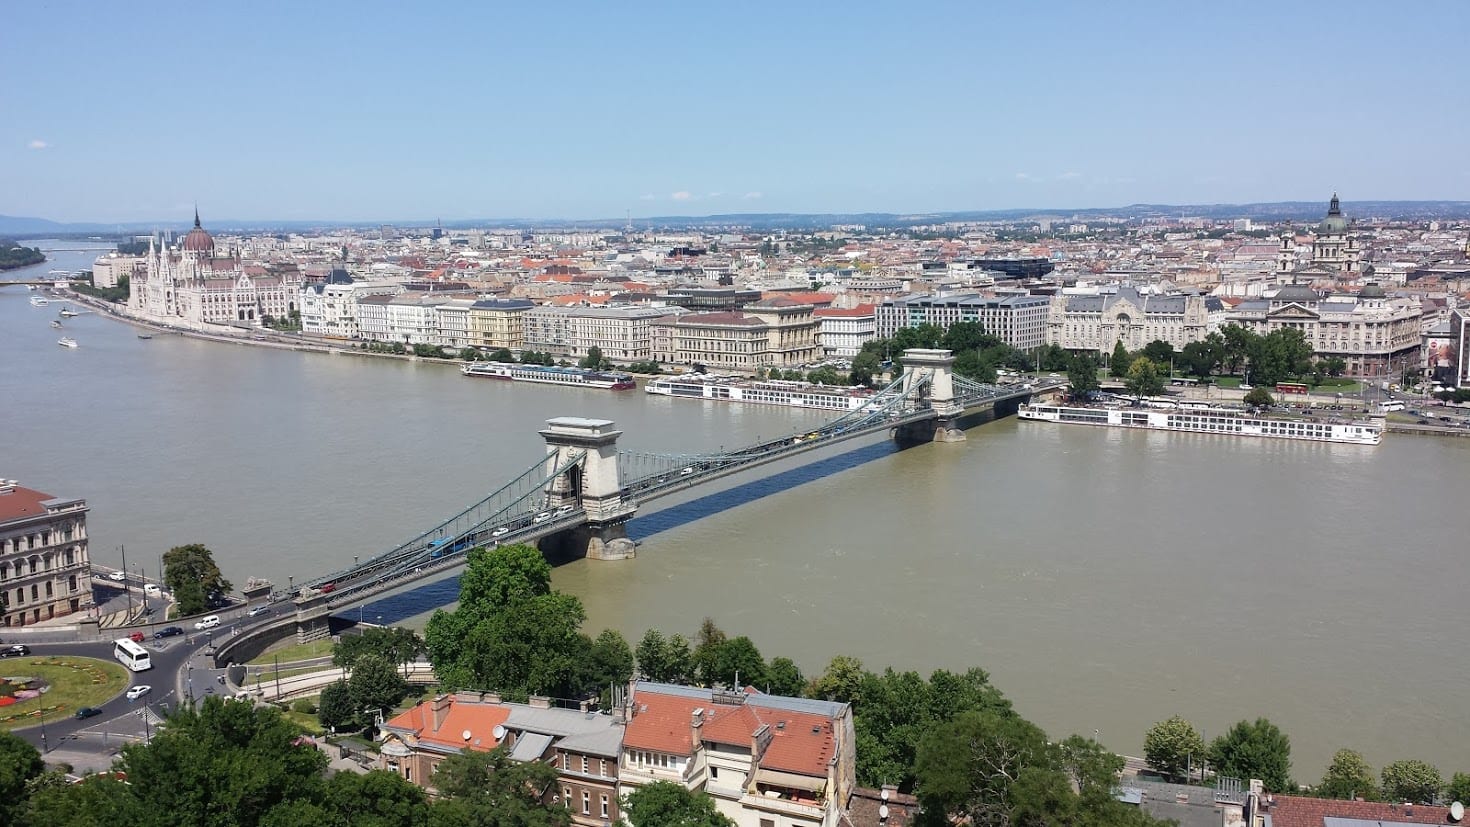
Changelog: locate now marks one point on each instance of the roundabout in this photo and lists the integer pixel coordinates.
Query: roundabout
(40, 688)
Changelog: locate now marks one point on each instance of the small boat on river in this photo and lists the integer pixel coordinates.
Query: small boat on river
(67, 341)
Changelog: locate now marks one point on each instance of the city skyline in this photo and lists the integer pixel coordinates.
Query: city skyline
(351, 113)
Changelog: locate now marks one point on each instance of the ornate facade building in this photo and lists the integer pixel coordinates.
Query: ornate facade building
(1100, 322)
(1335, 251)
(44, 569)
(191, 284)
(1374, 334)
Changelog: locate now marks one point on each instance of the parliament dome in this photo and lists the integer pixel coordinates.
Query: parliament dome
(198, 241)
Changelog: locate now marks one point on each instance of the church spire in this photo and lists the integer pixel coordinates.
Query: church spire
(1333, 208)
(196, 211)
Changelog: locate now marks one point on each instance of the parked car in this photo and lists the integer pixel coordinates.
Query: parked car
(136, 637)
(168, 631)
(87, 712)
(15, 650)
(139, 691)
(208, 622)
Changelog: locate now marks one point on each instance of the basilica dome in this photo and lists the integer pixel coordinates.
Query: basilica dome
(1334, 223)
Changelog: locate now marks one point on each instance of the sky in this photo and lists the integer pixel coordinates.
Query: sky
(366, 111)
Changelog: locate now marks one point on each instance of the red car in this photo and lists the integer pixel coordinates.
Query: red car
(327, 587)
(136, 637)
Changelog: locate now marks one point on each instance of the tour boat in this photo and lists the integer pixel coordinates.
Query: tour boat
(1210, 421)
(550, 375)
(145, 335)
(67, 313)
(56, 324)
(39, 301)
(786, 393)
(67, 341)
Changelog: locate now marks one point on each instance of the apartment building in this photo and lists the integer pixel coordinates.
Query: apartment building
(1019, 321)
(844, 329)
(413, 318)
(499, 323)
(776, 332)
(44, 567)
(1098, 322)
(621, 333)
(583, 747)
(330, 308)
(766, 760)
(454, 322)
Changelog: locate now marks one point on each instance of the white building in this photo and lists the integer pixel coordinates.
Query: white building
(1099, 322)
(1019, 321)
(106, 270)
(330, 308)
(454, 322)
(413, 318)
(844, 330)
(621, 333)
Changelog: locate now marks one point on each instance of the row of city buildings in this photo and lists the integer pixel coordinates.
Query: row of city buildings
(766, 760)
(678, 305)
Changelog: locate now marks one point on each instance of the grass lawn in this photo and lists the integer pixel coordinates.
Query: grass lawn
(1227, 381)
(306, 721)
(287, 651)
(74, 683)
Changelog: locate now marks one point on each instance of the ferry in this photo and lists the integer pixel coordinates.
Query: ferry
(67, 313)
(39, 301)
(1210, 421)
(67, 341)
(787, 393)
(551, 375)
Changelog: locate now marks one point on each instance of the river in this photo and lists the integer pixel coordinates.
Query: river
(1105, 579)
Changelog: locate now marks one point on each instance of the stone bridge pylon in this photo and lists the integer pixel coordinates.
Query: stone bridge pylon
(935, 365)
(593, 484)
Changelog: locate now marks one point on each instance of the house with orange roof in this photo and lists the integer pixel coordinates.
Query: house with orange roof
(582, 745)
(766, 760)
(43, 555)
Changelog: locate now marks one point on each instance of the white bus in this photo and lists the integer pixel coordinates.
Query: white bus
(131, 655)
(1395, 405)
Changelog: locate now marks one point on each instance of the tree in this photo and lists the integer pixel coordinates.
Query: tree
(1259, 398)
(865, 366)
(1255, 750)
(1143, 378)
(1160, 351)
(609, 663)
(1348, 777)
(375, 799)
(1118, 364)
(502, 355)
(1203, 357)
(1459, 788)
(1336, 366)
(965, 768)
(963, 336)
(396, 644)
(489, 789)
(841, 681)
(1054, 358)
(1411, 780)
(594, 359)
(825, 376)
(783, 677)
(191, 574)
(336, 709)
(735, 662)
(1082, 375)
(19, 763)
(1235, 344)
(1172, 747)
(376, 685)
(666, 804)
(666, 660)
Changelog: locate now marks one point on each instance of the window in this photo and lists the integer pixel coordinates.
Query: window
(714, 772)
(604, 806)
(566, 797)
(768, 822)
(584, 765)
(586, 803)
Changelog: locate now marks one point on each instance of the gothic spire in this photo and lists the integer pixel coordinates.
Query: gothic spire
(196, 211)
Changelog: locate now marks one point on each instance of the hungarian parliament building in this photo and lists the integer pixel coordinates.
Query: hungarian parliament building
(190, 283)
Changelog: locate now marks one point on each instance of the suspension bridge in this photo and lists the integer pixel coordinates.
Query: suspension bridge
(576, 500)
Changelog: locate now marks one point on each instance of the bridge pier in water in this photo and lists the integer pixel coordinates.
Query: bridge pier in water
(937, 366)
(594, 485)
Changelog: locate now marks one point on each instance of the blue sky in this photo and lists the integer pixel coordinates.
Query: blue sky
(397, 111)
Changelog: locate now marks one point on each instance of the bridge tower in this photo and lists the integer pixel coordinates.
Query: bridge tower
(936, 365)
(593, 485)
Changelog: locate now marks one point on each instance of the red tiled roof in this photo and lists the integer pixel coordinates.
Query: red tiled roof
(20, 503)
(801, 742)
(479, 720)
(861, 311)
(1297, 811)
(662, 723)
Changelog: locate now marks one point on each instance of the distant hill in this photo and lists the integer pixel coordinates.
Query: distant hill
(1302, 211)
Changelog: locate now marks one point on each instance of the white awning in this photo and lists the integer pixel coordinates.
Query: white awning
(791, 780)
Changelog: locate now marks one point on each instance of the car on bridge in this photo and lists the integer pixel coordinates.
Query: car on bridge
(117, 576)
(541, 518)
(258, 611)
(500, 532)
(564, 511)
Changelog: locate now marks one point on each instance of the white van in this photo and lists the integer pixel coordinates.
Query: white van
(208, 622)
(152, 590)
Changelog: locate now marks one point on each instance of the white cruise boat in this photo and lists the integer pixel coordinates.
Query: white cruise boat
(67, 341)
(551, 375)
(39, 301)
(1210, 421)
(786, 393)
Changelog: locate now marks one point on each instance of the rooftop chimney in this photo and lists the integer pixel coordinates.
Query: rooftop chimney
(539, 702)
(696, 728)
(440, 710)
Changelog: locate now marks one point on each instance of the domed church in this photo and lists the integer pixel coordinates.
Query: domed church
(1335, 248)
(191, 283)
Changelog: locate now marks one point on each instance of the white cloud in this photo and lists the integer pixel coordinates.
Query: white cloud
(751, 196)
(1023, 176)
(648, 196)
(681, 195)
(38, 144)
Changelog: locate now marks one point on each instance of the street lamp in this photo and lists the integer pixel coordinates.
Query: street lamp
(44, 748)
